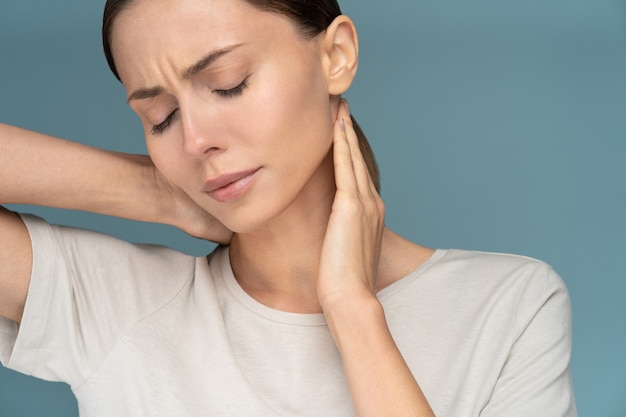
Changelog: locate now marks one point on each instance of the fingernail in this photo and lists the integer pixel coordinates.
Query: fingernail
(345, 102)
(342, 123)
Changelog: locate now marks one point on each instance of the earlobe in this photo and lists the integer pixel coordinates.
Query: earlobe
(341, 50)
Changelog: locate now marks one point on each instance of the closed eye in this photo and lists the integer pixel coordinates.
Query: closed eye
(233, 92)
(161, 127)
(230, 93)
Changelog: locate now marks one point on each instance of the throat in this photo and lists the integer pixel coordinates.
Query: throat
(279, 268)
(278, 264)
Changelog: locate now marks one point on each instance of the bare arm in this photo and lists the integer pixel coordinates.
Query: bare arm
(41, 170)
(380, 381)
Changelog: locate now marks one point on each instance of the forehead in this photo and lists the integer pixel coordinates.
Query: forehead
(152, 32)
(138, 13)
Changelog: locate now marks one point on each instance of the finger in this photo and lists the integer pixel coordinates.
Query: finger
(345, 178)
(365, 183)
(368, 194)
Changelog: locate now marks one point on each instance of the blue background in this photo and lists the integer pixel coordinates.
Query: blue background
(498, 125)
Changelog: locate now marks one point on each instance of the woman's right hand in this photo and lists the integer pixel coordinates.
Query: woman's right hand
(187, 215)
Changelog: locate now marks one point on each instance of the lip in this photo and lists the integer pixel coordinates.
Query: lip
(228, 187)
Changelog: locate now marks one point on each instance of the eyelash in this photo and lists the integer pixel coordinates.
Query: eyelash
(230, 93)
(160, 128)
(233, 92)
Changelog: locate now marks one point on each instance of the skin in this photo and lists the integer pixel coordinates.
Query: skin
(309, 233)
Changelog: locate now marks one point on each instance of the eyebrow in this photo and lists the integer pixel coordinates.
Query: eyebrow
(202, 64)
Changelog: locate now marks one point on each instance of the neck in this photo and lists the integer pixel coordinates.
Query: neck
(278, 263)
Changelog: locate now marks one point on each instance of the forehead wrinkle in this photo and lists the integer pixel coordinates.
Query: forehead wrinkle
(208, 60)
(202, 64)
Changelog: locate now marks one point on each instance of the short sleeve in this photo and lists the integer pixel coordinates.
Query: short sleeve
(536, 378)
(86, 290)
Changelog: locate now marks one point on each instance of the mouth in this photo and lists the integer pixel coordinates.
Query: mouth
(228, 187)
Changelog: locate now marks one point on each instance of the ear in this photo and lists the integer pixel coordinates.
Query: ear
(341, 54)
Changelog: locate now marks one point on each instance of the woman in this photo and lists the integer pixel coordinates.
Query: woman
(311, 306)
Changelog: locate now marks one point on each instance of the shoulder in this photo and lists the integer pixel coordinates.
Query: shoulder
(89, 253)
(497, 267)
(460, 270)
(518, 284)
(468, 281)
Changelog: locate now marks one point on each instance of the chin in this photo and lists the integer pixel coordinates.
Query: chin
(242, 221)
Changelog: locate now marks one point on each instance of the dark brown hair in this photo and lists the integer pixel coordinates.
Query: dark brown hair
(311, 16)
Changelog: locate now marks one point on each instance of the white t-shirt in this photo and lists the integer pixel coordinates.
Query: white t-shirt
(142, 330)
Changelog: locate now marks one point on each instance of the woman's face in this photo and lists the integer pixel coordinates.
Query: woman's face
(234, 103)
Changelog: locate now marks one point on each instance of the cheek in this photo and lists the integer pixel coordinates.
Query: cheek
(296, 107)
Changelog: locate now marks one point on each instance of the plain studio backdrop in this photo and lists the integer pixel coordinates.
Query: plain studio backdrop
(498, 126)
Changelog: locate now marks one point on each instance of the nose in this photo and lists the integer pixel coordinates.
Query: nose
(201, 133)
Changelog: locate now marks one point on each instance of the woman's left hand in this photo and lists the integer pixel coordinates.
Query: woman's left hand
(351, 248)
(380, 381)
